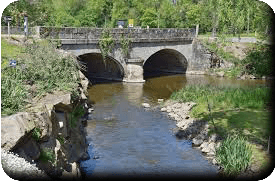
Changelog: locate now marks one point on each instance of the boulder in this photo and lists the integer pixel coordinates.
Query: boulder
(220, 74)
(84, 82)
(197, 142)
(204, 145)
(14, 127)
(163, 109)
(209, 148)
(146, 105)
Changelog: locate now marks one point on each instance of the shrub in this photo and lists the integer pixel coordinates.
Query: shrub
(36, 134)
(234, 155)
(258, 62)
(47, 155)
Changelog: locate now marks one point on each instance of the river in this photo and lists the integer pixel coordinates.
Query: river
(129, 142)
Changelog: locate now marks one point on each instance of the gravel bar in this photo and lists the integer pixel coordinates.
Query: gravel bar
(19, 169)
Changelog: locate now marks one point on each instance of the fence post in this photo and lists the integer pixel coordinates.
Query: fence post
(26, 25)
(9, 29)
(197, 30)
(37, 31)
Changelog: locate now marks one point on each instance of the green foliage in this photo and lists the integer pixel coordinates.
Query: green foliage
(36, 134)
(43, 68)
(229, 97)
(106, 43)
(125, 45)
(149, 18)
(258, 62)
(13, 91)
(233, 110)
(234, 155)
(225, 16)
(75, 115)
(47, 155)
(61, 139)
(48, 69)
(213, 46)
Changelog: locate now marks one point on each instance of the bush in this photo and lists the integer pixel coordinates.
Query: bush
(258, 62)
(234, 155)
(47, 155)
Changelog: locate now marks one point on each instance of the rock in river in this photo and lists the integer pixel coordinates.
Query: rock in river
(146, 105)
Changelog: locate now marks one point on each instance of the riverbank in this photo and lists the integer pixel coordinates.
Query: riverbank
(240, 60)
(44, 105)
(217, 113)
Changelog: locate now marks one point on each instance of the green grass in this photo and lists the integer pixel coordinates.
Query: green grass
(9, 52)
(40, 69)
(234, 110)
(240, 112)
(234, 154)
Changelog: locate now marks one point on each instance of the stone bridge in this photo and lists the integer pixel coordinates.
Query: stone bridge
(151, 51)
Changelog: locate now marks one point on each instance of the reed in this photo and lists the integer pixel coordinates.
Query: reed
(234, 155)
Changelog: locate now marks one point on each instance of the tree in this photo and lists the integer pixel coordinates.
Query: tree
(149, 18)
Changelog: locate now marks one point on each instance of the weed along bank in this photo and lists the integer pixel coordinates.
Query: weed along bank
(43, 107)
(228, 137)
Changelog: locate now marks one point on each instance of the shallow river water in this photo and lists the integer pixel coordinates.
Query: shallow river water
(127, 141)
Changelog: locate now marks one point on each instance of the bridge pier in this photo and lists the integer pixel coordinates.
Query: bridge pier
(134, 71)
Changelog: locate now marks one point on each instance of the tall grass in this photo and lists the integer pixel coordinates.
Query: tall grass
(234, 155)
(39, 70)
(225, 97)
(237, 114)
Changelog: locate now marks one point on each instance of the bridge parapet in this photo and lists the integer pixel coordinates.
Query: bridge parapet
(92, 35)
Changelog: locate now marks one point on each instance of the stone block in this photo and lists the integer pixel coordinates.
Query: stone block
(14, 127)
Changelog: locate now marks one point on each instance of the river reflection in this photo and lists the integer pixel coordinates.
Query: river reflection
(130, 142)
(162, 87)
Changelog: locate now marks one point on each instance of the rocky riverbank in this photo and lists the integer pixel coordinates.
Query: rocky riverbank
(197, 131)
(48, 139)
(192, 129)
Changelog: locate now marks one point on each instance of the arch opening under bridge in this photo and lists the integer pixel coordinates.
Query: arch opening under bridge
(165, 62)
(99, 70)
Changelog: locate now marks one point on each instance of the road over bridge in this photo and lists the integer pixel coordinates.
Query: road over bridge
(151, 51)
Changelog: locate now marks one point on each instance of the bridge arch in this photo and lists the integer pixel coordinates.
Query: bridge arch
(99, 70)
(165, 62)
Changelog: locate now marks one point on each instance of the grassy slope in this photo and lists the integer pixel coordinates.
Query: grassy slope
(40, 69)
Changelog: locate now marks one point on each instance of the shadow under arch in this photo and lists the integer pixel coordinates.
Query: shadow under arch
(165, 62)
(99, 71)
